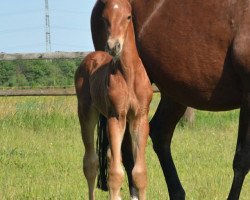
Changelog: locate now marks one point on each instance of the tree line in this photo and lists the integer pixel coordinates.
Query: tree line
(35, 73)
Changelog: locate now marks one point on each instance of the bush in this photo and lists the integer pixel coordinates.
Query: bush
(38, 73)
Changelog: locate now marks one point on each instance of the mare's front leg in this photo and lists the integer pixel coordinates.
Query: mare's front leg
(241, 53)
(139, 130)
(161, 131)
(116, 129)
(241, 163)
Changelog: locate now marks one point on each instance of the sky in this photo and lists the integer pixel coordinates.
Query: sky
(22, 25)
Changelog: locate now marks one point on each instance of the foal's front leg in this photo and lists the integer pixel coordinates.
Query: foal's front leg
(139, 129)
(116, 129)
(128, 162)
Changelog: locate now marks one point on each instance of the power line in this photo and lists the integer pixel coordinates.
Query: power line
(39, 27)
(68, 45)
(24, 46)
(70, 11)
(23, 12)
(70, 28)
(7, 32)
(19, 29)
(6, 48)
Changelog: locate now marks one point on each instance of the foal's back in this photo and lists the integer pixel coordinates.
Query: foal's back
(94, 61)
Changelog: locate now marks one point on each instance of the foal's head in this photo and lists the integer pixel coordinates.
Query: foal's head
(117, 16)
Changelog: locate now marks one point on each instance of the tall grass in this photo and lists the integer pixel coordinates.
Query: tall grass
(41, 153)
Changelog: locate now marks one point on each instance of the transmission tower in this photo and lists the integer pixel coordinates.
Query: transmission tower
(47, 28)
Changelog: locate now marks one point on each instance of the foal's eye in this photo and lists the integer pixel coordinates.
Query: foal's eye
(103, 19)
(129, 17)
(106, 22)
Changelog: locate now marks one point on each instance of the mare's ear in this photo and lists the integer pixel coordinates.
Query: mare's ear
(103, 1)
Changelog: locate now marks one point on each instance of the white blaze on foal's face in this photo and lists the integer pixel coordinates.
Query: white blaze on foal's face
(116, 6)
(116, 15)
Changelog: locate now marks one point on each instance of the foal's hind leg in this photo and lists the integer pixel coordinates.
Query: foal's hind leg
(88, 118)
(161, 131)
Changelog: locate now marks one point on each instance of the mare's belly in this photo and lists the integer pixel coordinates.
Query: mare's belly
(215, 89)
(201, 78)
(211, 86)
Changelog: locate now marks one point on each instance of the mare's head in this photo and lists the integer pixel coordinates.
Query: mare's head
(117, 16)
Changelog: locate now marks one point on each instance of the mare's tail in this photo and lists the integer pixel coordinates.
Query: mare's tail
(102, 148)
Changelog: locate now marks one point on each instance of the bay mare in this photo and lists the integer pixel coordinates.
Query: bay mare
(119, 89)
(198, 55)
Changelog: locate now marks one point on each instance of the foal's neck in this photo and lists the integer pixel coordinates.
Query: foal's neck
(129, 58)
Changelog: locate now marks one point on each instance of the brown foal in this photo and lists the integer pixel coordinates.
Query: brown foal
(118, 88)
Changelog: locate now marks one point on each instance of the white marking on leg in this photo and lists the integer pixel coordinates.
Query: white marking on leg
(134, 198)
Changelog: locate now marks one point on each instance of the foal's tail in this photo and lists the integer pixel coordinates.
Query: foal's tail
(102, 148)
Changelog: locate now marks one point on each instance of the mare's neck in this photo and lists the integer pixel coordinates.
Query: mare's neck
(129, 58)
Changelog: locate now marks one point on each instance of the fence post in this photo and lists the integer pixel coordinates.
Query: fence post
(189, 115)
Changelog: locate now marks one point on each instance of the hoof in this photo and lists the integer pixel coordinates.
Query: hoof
(134, 194)
(178, 196)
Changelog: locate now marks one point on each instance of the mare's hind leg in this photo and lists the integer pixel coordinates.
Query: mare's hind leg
(161, 131)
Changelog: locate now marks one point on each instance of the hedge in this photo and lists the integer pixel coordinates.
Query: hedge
(37, 73)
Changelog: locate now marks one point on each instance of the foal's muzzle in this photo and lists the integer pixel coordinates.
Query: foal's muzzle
(113, 49)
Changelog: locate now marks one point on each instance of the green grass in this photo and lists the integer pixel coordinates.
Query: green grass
(41, 153)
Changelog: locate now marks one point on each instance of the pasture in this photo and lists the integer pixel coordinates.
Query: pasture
(41, 153)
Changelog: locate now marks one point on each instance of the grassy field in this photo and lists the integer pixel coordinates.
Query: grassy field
(41, 153)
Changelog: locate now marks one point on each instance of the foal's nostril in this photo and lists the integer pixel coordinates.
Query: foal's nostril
(117, 47)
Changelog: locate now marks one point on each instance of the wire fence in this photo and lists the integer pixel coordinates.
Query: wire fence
(43, 91)
(68, 90)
